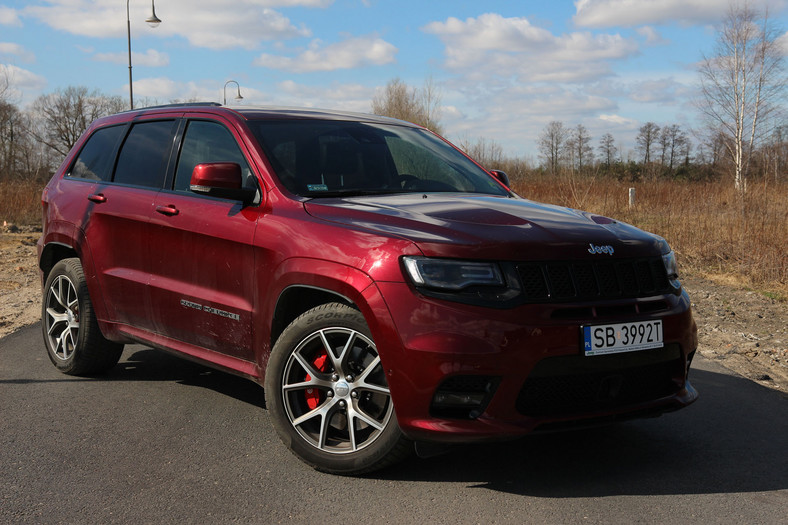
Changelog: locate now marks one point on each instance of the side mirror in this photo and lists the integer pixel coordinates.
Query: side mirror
(502, 177)
(221, 179)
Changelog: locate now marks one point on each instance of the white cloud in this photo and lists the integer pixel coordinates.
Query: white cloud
(215, 24)
(491, 46)
(661, 90)
(10, 51)
(9, 17)
(151, 58)
(620, 122)
(351, 53)
(161, 88)
(515, 115)
(653, 38)
(21, 81)
(348, 97)
(610, 13)
(782, 42)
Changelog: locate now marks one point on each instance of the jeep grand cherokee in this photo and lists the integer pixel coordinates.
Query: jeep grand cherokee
(383, 287)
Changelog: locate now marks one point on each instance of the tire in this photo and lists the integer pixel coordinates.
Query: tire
(327, 395)
(74, 342)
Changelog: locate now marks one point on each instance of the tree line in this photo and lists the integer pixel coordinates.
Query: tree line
(34, 141)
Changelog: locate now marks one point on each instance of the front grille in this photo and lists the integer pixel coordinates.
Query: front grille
(588, 281)
(579, 384)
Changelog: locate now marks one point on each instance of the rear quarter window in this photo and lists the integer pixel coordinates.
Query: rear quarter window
(94, 161)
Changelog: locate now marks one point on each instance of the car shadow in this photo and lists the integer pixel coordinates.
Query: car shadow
(145, 364)
(731, 440)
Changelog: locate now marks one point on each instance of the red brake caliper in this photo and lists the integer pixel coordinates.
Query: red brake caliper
(313, 394)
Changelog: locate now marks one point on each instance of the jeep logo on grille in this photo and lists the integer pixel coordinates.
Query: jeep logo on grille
(594, 249)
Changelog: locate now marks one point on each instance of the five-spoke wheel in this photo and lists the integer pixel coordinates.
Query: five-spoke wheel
(327, 393)
(74, 342)
(61, 317)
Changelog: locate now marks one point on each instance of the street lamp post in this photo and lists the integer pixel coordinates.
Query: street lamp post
(152, 21)
(224, 91)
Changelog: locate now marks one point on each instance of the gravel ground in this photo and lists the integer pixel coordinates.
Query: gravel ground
(744, 331)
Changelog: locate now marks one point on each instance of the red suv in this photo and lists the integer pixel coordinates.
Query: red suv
(384, 288)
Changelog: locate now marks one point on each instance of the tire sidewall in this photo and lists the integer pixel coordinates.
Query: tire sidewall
(93, 353)
(364, 460)
(70, 269)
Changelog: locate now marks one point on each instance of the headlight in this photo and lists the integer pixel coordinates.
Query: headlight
(452, 275)
(671, 268)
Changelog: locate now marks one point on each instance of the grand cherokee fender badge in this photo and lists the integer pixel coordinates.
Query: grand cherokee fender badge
(594, 249)
(210, 310)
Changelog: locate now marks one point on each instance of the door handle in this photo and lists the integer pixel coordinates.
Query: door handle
(167, 210)
(98, 198)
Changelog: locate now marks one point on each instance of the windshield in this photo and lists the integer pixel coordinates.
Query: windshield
(324, 158)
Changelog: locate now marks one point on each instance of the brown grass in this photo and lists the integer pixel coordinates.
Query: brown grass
(711, 228)
(20, 202)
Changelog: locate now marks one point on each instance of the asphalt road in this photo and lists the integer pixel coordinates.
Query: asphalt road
(161, 440)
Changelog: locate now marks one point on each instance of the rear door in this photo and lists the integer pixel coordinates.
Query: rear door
(202, 285)
(119, 213)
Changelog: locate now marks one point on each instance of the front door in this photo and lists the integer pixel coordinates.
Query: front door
(202, 284)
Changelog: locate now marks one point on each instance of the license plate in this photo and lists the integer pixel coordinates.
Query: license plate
(623, 337)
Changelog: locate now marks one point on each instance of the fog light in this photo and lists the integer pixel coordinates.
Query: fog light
(463, 397)
(457, 399)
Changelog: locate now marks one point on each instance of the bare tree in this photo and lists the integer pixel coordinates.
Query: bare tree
(488, 153)
(673, 142)
(646, 139)
(418, 105)
(578, 147)
(742, 83)
(551, 144)
(61, 117)
(607, 147)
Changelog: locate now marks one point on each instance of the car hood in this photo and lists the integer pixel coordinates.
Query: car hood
(487, 227)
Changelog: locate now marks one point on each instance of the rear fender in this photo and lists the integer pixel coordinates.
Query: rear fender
(62, 240)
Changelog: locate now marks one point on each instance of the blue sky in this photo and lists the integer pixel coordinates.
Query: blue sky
(504, 68)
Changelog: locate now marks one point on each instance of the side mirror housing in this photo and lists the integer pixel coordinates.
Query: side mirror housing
(502, 177)
(221, 179)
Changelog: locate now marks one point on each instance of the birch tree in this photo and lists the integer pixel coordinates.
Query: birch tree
(742, 83)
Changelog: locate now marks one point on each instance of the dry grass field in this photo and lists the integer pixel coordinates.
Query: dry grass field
(712, 229)
(20, 202)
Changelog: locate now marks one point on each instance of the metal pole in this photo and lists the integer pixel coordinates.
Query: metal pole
(224, 92)
(128, 36)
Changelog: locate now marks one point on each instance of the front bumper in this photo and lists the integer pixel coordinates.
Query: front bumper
(524, 365)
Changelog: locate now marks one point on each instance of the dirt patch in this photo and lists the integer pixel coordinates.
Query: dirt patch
(745, 331)
(20, 284)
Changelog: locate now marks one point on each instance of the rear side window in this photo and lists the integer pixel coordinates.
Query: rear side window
(143, 157)
(94, 162)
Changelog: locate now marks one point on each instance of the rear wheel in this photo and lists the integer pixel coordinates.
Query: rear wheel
(74, 342)
(328, 397)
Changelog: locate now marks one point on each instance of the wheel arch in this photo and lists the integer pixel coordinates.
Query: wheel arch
(53, 253)
(297, 299)
(63, 240)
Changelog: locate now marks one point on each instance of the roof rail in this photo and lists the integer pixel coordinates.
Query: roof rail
(180, 105)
